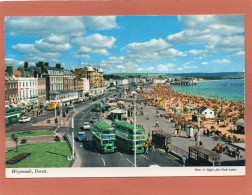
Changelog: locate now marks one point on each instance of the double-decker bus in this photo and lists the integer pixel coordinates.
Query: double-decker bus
(98, 106)
(103, 136)
(12, 115)
(125, 137)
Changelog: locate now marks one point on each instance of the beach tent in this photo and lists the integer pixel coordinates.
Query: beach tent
(241, 125)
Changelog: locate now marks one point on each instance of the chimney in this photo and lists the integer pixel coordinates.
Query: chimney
(22, 70)
(26, 65)
(46, 64)
(9, 69)
(58, 65)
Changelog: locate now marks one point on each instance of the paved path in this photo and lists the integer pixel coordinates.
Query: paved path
(182, 142)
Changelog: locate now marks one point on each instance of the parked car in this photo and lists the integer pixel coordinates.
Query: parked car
(82, 136)
(24, 119)
(86, 126)
(94, 119)
(70, 106)
(95, 98)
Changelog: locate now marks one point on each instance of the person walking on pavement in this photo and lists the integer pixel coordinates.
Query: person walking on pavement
(157, 125)
(207, 132)
(146, 148)
(196, 136)
(179, 132)
(153, 148)
(184, 160)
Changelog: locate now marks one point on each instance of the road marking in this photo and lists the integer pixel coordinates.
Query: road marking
(103, 162)
(169, 154)
(146, 157)
(130, 162)
(120, 153)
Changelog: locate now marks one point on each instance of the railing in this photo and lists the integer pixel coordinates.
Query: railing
(178, 151)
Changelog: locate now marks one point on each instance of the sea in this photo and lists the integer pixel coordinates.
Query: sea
(232, 90)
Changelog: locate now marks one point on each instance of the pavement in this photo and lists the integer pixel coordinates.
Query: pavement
(181, 142)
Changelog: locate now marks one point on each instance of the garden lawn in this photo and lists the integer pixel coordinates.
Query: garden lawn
(42, 155)
(36, 133)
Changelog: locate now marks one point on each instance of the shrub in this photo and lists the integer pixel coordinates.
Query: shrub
(23, 141)
(57, 138)
(26, 132)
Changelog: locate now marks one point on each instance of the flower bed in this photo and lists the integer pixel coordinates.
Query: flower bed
(18, 158)
(26, 132)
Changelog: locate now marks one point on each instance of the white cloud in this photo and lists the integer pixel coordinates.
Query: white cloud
(95, 41)
(204, 63)
(15, 63)
(222, 61)
(219, 33)
(44, 25)
(237, 55)
(31, 52)
(140, 69)
(166, 67)
(58, 25)
(100, 22)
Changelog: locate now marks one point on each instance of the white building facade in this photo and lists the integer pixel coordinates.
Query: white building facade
(209, 113)
(28, 90)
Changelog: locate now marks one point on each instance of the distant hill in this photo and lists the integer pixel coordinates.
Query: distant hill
(134, 74)
(206, 76)
(213, 76)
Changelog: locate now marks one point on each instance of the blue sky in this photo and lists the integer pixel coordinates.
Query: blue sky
(158, 44)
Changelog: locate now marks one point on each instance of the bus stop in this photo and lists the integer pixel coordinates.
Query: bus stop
(161, 138)
(200, 156)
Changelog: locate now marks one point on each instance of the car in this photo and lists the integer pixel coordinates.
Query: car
(82, 136)
(94, 119)
(70, 106)
(24, 119)
(85, 100)
(95, 98)
(86, 126)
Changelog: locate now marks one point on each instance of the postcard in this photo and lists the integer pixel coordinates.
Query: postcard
(124, 96)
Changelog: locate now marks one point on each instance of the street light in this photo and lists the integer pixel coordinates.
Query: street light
(73, 137)
(135, 100)
(198, 119)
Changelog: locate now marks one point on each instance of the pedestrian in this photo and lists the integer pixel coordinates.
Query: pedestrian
(218, 122)
(184, 160)
(217, 148)
(196, 136)
(146, 148)
(207, 132)
(153, 148)
(179, 132)
(157, 125)
(175, 132)
(204, 131)
(201, 144)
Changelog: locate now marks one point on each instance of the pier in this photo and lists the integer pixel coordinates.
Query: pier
(184, 82)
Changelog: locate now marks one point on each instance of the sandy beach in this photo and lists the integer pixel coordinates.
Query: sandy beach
(226, 113)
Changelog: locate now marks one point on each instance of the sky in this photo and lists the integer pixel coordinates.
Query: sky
(137, 44)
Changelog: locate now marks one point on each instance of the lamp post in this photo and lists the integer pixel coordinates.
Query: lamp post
(198, 119)
(60, 112)
(135, 100)
(73, 137)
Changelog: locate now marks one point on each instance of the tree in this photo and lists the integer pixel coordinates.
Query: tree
(15, 139)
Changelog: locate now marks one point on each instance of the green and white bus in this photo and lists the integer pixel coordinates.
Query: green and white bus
(103, 137)
(12, 115)
(125, 136)
(98, 106)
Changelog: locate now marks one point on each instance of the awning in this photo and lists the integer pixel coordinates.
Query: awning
(117, 111)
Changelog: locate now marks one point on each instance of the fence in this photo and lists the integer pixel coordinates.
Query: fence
(178, 151)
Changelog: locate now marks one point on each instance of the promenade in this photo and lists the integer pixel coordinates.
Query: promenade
(182, 142)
